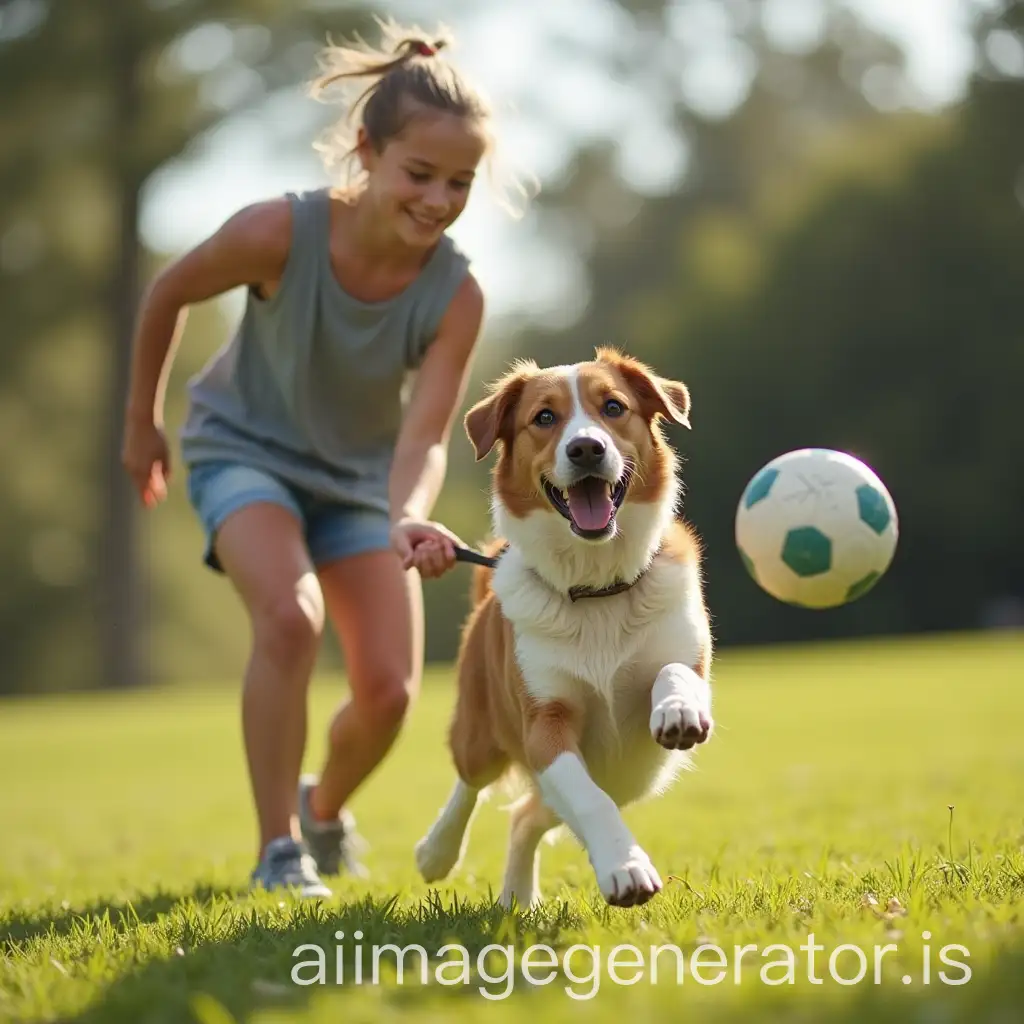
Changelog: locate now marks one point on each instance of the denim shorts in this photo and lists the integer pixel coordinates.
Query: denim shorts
(332, 530)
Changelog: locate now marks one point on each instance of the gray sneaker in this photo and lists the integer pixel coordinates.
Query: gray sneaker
(333, 845)
(286, 864)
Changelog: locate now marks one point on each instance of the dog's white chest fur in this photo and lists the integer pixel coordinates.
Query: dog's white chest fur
(602, 655)
(597, 640)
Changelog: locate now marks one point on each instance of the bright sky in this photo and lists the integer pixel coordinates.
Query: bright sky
(517, 52)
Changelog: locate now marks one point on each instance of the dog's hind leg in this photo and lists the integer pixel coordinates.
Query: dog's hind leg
(531, 819)
(479, 764)
(441, 850)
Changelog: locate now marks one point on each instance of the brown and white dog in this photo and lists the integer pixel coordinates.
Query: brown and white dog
(584, 663)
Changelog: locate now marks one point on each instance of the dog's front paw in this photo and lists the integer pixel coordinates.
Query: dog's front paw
(678, 725)
(631, 882)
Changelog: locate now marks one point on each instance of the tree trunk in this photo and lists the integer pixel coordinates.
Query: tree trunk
(123, 591)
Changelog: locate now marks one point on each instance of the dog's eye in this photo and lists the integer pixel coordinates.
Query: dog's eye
(544, 418)
(613, 407)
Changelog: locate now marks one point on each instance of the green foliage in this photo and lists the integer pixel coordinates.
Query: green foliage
(823, 796)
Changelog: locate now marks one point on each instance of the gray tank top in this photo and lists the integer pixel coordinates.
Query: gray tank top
(312, 385)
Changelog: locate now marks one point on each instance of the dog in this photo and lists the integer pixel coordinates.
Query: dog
(584, 664)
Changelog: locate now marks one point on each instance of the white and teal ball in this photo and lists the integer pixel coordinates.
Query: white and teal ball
(816, 528)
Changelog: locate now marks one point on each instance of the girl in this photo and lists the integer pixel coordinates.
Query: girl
(311, 470)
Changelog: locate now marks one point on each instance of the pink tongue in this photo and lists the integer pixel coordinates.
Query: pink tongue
(590, 504)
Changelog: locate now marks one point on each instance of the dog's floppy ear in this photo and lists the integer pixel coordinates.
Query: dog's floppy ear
(657, 395)
(491, 417)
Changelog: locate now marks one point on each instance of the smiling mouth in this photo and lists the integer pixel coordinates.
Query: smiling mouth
(589, 504)
(424, 222)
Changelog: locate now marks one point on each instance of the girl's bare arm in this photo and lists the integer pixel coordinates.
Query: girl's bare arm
(251, 247)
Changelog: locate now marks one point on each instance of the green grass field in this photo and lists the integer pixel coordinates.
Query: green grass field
(126, 839)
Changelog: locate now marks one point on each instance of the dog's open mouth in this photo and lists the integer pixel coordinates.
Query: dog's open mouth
(589, 504)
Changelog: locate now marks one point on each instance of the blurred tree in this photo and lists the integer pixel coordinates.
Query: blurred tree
(792, 101)
(97, 98)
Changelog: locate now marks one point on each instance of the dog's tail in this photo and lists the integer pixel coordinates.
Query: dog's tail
(481, 585)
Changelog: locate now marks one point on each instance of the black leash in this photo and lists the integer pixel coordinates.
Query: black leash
(469, 555)
(575, 593)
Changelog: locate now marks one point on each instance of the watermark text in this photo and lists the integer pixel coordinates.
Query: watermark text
(495, 968)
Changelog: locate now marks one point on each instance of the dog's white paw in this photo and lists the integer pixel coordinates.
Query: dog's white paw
(677, 725)
(631, 882)
(525, 899)
(436, 858)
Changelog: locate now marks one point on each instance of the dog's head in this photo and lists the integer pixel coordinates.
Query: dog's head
(580, 442)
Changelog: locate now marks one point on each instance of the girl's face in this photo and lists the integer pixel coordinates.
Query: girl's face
(421, 181)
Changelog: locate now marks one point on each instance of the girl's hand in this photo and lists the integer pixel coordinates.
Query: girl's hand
(423, 545)
(146, 457)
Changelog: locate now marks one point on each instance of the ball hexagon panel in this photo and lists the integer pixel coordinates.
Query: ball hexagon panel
(759, 488)
(807, 551)
(873, 508)
(862, 586)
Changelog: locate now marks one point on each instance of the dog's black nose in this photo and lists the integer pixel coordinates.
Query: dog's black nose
(585, 451)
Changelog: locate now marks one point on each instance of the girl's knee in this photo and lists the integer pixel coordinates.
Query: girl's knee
(288, 630)
(385, 699)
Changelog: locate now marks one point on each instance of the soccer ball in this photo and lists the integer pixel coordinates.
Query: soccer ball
(816, 528)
